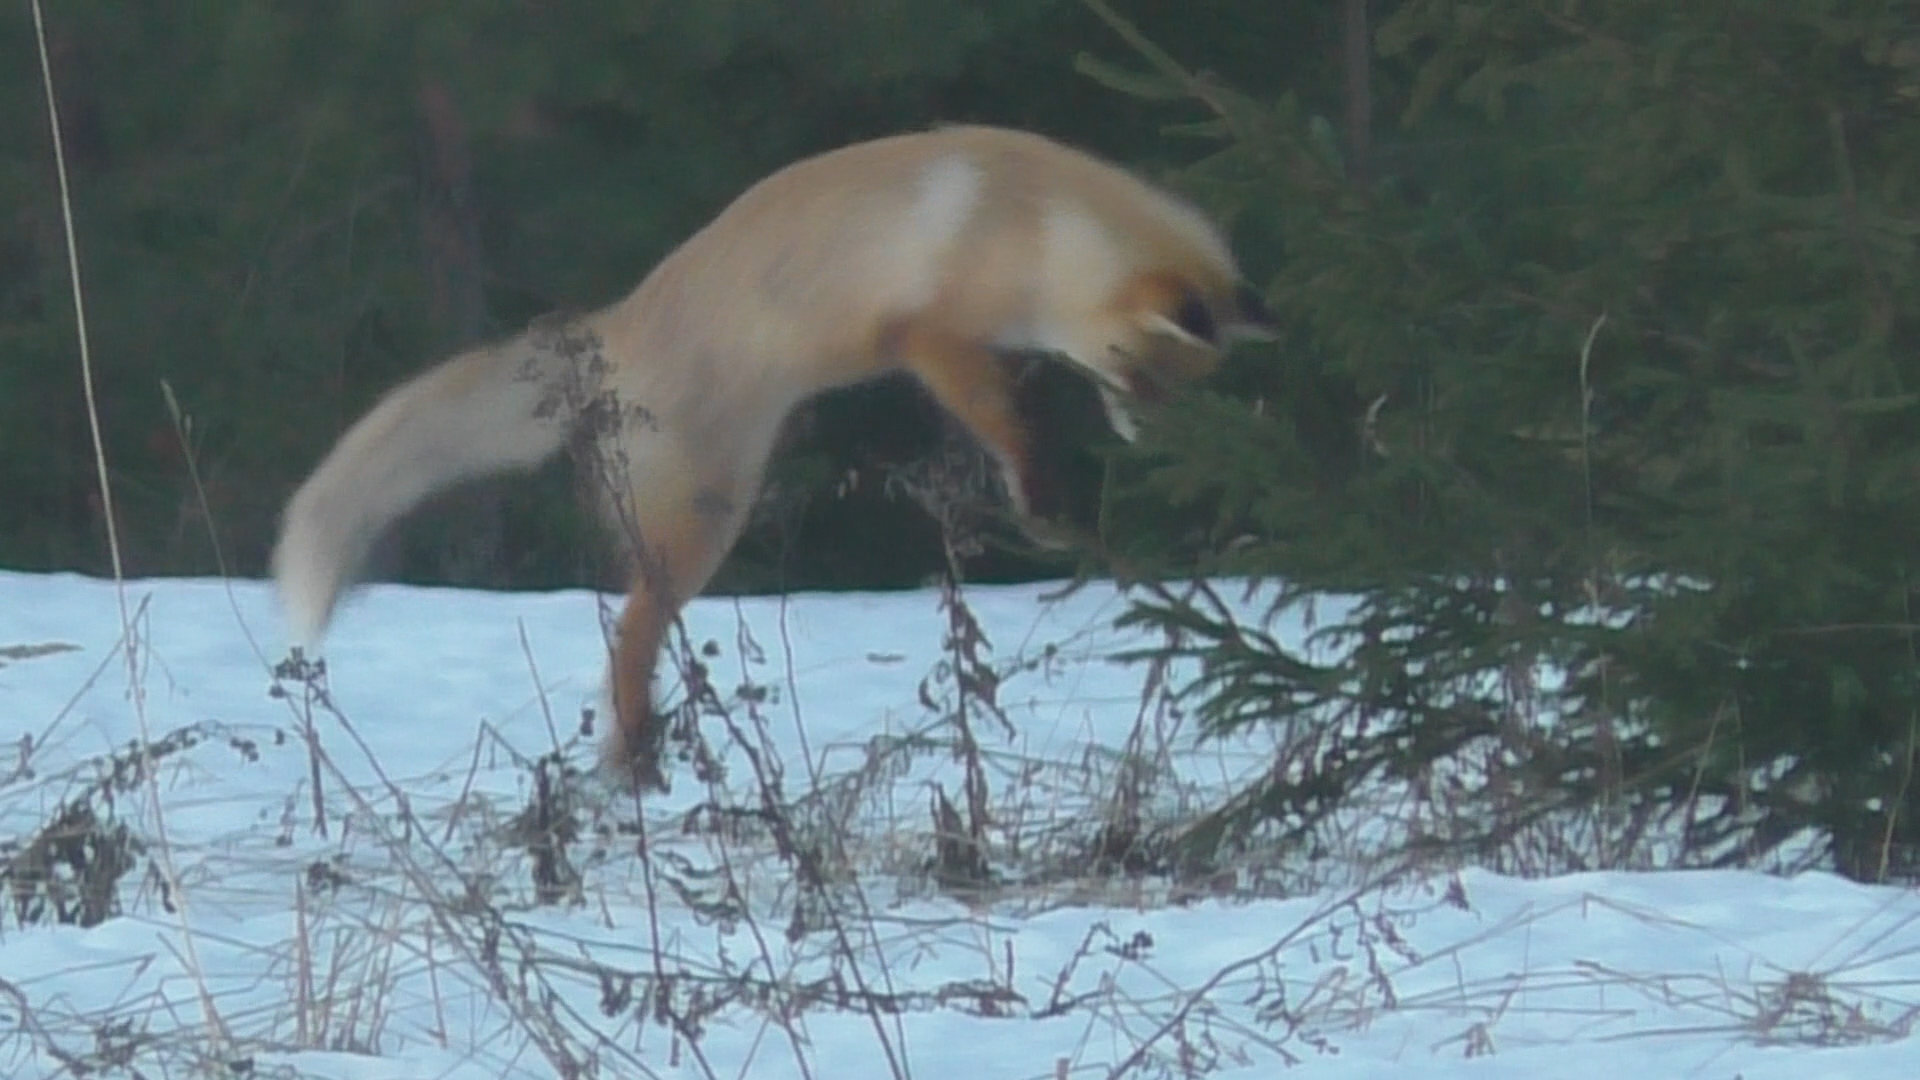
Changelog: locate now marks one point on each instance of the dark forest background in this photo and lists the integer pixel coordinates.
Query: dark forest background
(284, 209)
(1599, 352)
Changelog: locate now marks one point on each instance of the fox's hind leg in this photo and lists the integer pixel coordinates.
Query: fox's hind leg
(675, 530)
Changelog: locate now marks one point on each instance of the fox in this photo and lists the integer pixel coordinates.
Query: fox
(937, 252)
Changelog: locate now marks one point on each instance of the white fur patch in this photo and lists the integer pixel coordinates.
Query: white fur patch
(1117, 415)
(1079, 262)
(949, 193)
(1080, 267)
(908, 267)
(1160, 324)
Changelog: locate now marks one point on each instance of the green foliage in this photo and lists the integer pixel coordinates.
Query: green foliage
(1600, 401)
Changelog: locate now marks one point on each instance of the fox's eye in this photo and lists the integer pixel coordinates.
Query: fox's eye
(1195, 318)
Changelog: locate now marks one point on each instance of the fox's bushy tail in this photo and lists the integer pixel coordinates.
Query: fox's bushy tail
(496, 409)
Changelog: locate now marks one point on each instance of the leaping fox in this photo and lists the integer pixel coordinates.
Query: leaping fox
(930, 252)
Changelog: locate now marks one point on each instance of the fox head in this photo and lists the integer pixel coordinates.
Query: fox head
(1163, 329)
(1142, 292)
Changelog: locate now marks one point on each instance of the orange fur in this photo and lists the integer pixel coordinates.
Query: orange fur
(929, 253)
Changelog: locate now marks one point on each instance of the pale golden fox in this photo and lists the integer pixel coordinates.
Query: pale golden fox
(930, 252)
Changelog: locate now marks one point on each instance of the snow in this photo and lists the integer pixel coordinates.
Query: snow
(385, 924)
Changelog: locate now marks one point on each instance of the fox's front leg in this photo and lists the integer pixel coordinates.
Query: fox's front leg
(977, 386)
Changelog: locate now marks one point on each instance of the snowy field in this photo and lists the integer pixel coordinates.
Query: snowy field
(397, 877)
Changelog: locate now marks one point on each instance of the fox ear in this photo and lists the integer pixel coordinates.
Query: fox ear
(1253, 320)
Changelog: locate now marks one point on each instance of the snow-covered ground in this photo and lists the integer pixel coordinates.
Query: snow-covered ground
(366, 903)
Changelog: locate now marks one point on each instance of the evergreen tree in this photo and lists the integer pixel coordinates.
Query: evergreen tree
(1600, 405)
